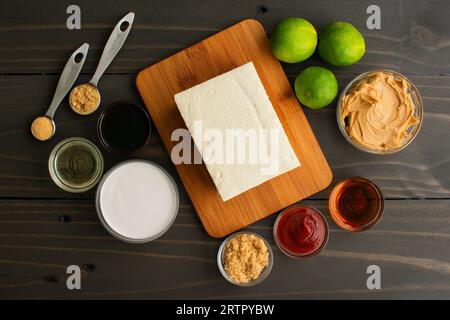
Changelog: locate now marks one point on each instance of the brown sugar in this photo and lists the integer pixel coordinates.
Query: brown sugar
(42, 128)
(245, 257)
(84, 99)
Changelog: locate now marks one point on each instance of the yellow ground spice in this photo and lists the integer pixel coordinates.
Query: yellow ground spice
(84, 99)
(42, 128)
(245, 257)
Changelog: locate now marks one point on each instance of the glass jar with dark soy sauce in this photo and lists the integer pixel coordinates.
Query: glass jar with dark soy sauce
(124, 128)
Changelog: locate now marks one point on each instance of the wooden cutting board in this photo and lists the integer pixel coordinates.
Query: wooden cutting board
(233, 47)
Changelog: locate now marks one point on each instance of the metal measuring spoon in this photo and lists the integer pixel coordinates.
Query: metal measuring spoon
(112, 47)
(66, 80)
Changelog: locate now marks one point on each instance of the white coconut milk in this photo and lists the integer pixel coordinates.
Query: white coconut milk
(138, 200)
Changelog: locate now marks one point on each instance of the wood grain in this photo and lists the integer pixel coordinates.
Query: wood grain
(414, 38)
(419, 171)
(43, 229)
(233, 47)
(410, 245)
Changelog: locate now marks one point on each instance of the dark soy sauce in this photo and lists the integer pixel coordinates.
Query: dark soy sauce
(124, 128)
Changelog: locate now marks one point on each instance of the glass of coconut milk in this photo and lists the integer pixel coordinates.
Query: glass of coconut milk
(137, 201)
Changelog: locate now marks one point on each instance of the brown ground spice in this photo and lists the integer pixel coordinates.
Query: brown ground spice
(84, 99)
(42, 128)
(245, 257)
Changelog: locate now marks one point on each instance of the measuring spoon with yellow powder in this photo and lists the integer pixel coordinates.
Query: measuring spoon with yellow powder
(43, 127)
(85, 98)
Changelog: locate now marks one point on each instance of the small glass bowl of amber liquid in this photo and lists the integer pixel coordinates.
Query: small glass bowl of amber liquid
(356, 204)
(75, 165)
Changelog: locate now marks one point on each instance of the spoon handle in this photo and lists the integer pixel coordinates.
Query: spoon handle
(68, 77)
(112, 47)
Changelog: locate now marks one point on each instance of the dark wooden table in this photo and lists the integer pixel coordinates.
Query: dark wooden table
(44, 229)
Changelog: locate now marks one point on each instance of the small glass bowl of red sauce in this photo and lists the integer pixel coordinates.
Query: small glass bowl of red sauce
(300, 231)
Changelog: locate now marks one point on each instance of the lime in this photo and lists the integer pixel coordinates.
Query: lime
(293, 40)
(316, 87)
(341, 44)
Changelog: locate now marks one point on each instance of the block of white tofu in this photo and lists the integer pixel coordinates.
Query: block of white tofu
(231, 114)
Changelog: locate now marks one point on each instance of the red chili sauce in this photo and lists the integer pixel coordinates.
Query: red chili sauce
(300, 230)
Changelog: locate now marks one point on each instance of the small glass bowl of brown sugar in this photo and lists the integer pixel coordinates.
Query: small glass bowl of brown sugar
(245, 259)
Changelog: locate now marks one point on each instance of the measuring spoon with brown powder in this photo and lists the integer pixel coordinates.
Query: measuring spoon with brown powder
(85, 98)
(43, 127)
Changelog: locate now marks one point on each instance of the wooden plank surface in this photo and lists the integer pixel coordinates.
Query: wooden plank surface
(43, 229)
(417, 172)
(241, 43)
(410, 245)
(413, 38)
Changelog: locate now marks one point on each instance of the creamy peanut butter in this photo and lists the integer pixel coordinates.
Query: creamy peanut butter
(378, 113)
